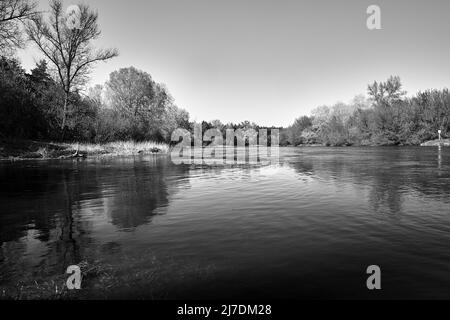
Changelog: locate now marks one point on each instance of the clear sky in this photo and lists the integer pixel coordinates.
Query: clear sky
(272, 61)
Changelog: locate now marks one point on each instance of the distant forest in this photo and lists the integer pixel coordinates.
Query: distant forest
(52, 103)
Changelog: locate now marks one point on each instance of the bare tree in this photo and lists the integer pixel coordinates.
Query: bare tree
(12, 14)
(69, 47)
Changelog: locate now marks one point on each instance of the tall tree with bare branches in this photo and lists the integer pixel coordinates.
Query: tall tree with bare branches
(66, 41)
(12, 14)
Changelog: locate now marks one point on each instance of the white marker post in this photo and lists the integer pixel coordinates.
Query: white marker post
(439, 132)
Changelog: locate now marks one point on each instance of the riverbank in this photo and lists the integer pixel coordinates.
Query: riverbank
(437, 142)
(431, 143)
(27, 149)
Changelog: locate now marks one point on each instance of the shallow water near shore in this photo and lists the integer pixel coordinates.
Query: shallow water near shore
(306, 227)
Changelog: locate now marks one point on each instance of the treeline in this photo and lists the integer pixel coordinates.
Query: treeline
(130, 106)
(248, 129)
(386, 117)
(51, 101)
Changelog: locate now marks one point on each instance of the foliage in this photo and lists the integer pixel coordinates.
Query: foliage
(145, 109)
(387, 117)
(26, 101)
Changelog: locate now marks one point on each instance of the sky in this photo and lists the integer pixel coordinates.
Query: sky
(271, 61)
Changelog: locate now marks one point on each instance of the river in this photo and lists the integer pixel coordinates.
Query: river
(305, 227)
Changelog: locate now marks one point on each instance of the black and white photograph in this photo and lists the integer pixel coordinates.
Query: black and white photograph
(218, 150)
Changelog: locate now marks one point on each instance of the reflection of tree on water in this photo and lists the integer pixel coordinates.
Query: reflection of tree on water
(24, 202)
(70, 248)
(59, 201)
(390, 173)
(385, 196)
(145, 188)
(303, 167)
(42, 202)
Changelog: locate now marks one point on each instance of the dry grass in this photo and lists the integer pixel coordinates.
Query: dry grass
(27, 149)
(122, 148)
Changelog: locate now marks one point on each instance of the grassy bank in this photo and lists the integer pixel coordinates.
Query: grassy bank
(120, 148)
(26, 149)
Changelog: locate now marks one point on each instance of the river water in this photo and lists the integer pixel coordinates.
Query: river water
(305, 227)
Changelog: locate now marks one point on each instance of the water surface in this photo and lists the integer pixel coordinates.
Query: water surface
(306, 227)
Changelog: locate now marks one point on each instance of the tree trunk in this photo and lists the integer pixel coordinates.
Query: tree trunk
(63, 125)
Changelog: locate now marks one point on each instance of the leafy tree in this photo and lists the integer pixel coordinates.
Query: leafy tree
(295, 131)
(386, 93)
(48, 96)
(23, 101)
(130, 91)
(146, 106)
